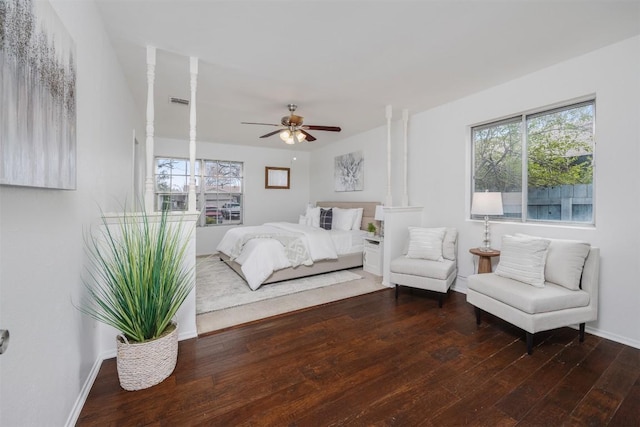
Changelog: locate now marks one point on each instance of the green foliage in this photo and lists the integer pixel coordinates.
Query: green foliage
(136, 279)
(371, 228)
(559, 151)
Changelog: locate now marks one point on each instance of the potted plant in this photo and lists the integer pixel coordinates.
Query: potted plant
(136, 282)
(371, 228)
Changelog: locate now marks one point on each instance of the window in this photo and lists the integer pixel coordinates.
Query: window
(219, 195)
(542, 163)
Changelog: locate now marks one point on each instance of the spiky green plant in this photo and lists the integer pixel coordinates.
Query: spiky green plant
(136, 279)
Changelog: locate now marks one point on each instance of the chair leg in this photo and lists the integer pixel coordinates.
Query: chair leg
(396, 291)
(582, 332)
(440, 299)
(478, 313)
(529, 343)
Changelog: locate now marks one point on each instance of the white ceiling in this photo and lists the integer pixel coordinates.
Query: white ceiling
(342, 61)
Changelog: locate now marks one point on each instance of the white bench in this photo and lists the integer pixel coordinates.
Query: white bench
(536, 309)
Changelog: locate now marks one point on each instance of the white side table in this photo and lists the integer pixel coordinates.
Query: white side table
(372, 255)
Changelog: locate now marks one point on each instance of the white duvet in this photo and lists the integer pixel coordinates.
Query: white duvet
(260, 257)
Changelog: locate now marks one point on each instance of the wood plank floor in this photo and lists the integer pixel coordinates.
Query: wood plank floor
(372, 360)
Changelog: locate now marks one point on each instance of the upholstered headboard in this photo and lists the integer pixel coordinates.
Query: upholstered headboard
(368, 210)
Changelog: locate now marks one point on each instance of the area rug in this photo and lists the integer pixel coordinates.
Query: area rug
(219, 287)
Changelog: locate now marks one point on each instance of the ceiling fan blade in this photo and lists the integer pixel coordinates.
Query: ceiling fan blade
(329, 128)
(264, 124)
(310, 137)
(271, 133)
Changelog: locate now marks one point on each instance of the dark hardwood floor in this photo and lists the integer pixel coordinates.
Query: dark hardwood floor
(372, 360)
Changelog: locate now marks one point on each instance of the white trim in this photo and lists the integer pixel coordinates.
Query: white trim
(84, 393)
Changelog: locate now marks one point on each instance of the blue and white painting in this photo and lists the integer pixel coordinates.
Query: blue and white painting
(349, 172)
(38, 95)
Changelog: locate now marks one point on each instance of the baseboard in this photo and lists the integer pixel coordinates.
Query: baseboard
(84, 393)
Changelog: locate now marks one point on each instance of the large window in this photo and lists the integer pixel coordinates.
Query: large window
(542, 163)
(219, 195)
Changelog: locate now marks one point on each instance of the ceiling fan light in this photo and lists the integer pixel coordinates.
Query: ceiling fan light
(301, 136)
(285, 135)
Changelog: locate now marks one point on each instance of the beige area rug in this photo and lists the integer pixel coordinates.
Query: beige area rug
(269, 300)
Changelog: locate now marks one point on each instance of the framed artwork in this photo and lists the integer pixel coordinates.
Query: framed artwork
(38, 86)
(277, 178)
(349, 172)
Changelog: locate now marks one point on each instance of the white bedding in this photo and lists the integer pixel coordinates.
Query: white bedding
(260, 257)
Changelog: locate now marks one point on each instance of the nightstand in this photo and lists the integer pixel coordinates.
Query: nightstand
(372, 255)
(484, 262)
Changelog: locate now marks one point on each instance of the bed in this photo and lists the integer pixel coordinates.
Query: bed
(258, 248)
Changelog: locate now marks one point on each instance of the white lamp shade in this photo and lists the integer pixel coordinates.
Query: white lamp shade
(379, 215)
(487, 203)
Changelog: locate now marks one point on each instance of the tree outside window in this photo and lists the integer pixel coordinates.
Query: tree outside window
(557, 169)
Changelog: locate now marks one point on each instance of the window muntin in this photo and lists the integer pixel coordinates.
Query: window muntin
(219, 186)
(553, 182)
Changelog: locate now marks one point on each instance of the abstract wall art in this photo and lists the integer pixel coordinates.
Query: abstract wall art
(38, 92)
(349, 172)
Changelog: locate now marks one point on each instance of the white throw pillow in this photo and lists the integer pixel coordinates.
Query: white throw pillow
(313, 214)
(449, 244)
(357, 221)
(523, 259)
(426, 243)
(565, 261)
(303, 220)
(343, 219)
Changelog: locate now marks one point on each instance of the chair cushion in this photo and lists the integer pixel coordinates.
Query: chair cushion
(426, 243)
(423, 267)
(449, 244)
(565, 261)
(523, 259)
(527, 298)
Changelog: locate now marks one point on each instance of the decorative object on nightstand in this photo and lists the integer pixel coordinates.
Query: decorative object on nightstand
(372, 255)
(486, 203)
(484, 258)
(379, 216)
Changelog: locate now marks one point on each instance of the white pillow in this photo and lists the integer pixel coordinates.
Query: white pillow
(357, 221)
(314, 216)
(565, 261)
(343, 219)
(303, 220)
(426, 243)
(449, 244)
(523, 259)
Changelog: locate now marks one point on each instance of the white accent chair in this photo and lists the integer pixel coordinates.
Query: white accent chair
(427, 274)
(536, 309)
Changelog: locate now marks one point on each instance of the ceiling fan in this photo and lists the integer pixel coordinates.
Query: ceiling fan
(292, 130)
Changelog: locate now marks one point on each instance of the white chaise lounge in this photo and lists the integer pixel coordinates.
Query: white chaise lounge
(567, 293)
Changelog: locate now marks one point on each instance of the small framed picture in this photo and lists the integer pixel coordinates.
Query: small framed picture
(277, 178)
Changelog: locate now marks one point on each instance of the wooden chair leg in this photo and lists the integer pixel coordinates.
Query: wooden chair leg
(440, 299)
(582, 332)
(478, 313)
(396, 291)
(529, 343)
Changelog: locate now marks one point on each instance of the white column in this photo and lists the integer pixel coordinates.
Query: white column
(405, 121)
(148, 188)
(388, 113)
(192, 134)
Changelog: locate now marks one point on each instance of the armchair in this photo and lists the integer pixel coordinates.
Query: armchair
(429, 262)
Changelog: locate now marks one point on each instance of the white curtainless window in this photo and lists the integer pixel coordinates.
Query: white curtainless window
(542, 163)
(219, 189)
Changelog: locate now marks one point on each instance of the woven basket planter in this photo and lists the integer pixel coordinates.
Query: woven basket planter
(142, 365)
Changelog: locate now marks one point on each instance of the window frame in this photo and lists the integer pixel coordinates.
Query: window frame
(523, 119)
(201, 192)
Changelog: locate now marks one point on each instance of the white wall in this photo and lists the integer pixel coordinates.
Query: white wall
(260, 204)
(439, 159)
(373, 145)
(53, 347)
